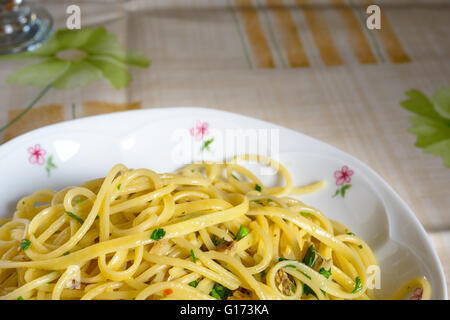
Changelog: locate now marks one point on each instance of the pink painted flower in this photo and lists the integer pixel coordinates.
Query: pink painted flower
(343, 176)
(36, 155)
(199, 130)
(417, 294)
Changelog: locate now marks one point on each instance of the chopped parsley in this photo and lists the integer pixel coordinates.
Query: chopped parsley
(78, 200)
(305, 275)
(261, 201)
(325, 273)
(358, 286)
(307, 291)
(25, 244)
(235, 177)
(310, 257)
(360, 246)
(73, 215)
(350, 233)
(66, 253)
(118, 187)
(19, 298)
(158, 234)
(305, 214)
(194, 258)
(263, 274)
(220, 292)
(193, 283)
(216, 241)
(281, 259)
(293, 287)
(258, 187)
(243, 231)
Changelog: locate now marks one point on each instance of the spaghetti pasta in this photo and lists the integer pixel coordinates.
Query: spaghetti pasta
(208, 231)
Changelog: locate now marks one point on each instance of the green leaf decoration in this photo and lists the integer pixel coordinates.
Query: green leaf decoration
(80, 73)
(113, 72)
(44, 72)
(420, 105)
(441, 100)
(431, 124)
(344, 189)
(50, 165)
(441, 149)
(75, 58)
(206, 145)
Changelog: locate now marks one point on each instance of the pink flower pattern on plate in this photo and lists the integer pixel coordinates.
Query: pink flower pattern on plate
(417, 294)
(36, 155)
(200, 130)
(343, 176)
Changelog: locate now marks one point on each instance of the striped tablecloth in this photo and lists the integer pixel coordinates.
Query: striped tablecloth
(309, 65)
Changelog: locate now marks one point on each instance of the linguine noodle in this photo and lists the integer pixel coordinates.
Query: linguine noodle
(208, 231)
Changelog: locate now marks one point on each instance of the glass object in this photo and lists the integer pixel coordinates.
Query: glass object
(22, 26)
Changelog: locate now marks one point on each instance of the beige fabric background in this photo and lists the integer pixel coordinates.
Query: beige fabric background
(311, 66)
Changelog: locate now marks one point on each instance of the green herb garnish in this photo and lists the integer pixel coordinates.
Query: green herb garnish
(305, 275)
(243, 231)
(310, 257)
(360, 246)
(220, 292)
(193, 283)
(25, 244)
(194, 258)
(158, 234)
(118, 187)
(307, 291)
(66, 253)
(73, 215)
(325, 273)
(258, 187)
(350, 233)
(19, 298)
(216, 241)
(305, 214)
(358, 286)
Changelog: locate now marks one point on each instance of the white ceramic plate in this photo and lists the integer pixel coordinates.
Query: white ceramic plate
(71, 152)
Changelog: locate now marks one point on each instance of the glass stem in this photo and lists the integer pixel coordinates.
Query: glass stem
(31, 105)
